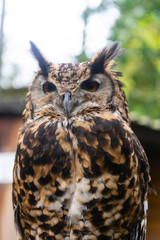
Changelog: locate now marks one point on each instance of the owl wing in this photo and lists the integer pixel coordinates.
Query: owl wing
(118, 157)
(15, 185)
(139, 229)
(40, 161)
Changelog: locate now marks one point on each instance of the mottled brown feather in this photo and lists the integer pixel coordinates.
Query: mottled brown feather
(83, 175)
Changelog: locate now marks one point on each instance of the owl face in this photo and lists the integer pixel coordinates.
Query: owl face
(71, 89)
(66, 98)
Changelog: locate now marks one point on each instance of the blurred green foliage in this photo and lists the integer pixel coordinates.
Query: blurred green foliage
(139, 30)
(87, 13)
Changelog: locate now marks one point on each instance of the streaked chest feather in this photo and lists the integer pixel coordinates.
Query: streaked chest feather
(84, 171)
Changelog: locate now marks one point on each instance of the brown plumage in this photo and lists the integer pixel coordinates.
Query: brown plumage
(80, 172)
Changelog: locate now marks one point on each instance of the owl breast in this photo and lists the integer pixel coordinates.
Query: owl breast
(106, 179)
(77, 178)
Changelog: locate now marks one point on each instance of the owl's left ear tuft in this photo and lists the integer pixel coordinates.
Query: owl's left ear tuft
(105, 59)
(43, 63)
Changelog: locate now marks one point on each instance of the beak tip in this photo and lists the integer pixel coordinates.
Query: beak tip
(67, 103)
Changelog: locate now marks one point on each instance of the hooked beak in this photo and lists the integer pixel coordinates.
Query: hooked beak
(67, 103)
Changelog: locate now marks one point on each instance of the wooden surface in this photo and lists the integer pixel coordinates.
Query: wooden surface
(7, 229)
(9, 127)
(153, 231)
(8, 133)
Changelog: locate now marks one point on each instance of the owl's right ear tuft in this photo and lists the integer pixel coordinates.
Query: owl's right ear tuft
(43, 63)
(105, 59)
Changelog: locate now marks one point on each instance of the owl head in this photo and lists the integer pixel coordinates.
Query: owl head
(72, 89)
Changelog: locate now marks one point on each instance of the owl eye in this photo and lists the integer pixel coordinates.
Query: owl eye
(90, 85)
(49, 87)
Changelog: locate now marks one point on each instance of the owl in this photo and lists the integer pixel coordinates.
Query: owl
(80, 172)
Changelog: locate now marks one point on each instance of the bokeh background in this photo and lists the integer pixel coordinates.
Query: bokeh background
(71, 31)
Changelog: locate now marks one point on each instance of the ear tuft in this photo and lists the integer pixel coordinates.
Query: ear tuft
(43, 63)
(106, 58)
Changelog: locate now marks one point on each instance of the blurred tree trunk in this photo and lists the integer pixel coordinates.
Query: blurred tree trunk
(1, 35)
